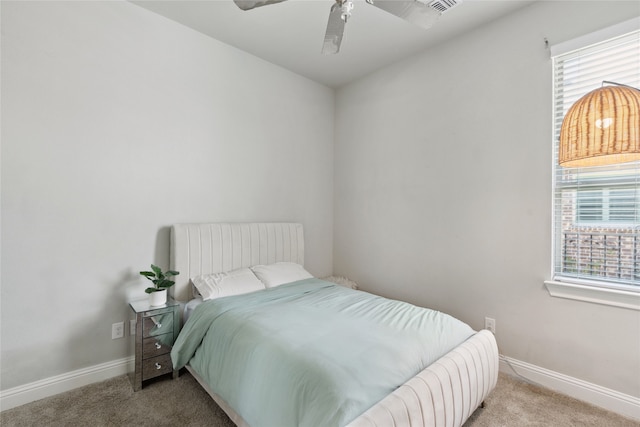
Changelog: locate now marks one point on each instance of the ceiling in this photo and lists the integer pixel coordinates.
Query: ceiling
(290, 34)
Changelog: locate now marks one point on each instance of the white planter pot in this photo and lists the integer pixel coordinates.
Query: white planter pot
(158, 298)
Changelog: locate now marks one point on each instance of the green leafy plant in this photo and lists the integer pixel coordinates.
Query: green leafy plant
(161, 280)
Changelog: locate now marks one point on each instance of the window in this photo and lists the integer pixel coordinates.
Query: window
(607, 206)
(596, 227)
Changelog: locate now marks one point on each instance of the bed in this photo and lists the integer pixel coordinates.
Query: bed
(443, 393)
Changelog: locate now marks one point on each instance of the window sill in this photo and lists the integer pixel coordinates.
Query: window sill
(594, 294)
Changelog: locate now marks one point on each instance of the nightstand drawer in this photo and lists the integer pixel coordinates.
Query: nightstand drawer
(157, 325)
(156, 366)
(155, 346)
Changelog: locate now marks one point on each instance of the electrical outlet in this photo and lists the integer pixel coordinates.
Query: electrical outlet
(490, 324)
(132, 327)
(117, 330)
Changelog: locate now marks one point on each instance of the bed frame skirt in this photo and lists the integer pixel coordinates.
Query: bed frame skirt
(237, 419)
(444, 394)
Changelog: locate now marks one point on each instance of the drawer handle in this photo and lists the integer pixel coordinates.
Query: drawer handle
(158, 345)
(158, 366)
(155, 322)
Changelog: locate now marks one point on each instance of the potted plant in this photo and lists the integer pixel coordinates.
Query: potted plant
(161, 282)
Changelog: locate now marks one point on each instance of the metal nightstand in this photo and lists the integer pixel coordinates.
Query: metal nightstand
(157, 328)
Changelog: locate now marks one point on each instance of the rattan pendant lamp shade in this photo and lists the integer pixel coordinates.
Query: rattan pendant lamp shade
(602, 128)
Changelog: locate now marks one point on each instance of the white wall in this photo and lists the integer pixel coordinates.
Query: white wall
(443, 191)
(116, 124)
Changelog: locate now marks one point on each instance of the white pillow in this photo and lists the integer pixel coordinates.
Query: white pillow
(273, 275)
(342, 281)
(234, 282)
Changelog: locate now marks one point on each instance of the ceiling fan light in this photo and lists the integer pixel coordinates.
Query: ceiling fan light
(346, 7)
(601, 128)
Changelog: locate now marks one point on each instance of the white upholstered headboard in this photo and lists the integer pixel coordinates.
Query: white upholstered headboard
(208, 248)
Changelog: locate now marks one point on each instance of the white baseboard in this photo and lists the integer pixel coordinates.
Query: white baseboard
(614, 401)
(50, 386)
(611, 400)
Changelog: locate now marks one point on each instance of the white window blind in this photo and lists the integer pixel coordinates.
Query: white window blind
(596, 209)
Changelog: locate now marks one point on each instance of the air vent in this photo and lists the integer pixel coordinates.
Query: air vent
(443, 6)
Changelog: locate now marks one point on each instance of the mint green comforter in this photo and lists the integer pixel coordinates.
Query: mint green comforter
(311, 353)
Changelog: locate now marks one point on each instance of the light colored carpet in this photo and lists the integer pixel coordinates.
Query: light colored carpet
(183, 402)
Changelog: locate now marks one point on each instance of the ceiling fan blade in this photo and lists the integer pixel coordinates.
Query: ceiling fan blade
(412, 11)
(335, 30)
(251, 4)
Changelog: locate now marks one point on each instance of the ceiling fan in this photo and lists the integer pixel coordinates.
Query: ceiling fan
(421, 13)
